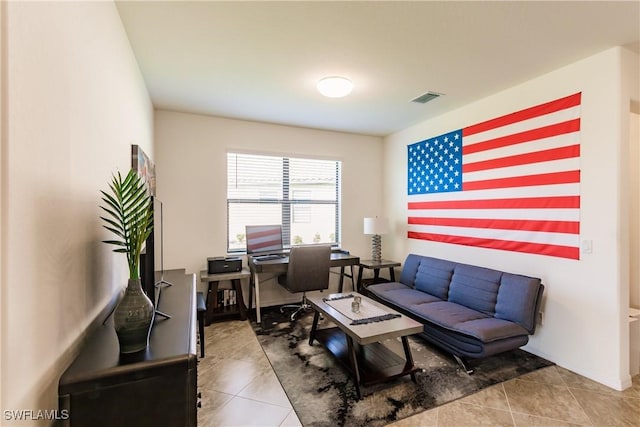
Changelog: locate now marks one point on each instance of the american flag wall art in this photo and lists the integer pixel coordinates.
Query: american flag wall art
(510, 183)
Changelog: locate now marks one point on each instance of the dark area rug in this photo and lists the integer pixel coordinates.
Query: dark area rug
(323, 394)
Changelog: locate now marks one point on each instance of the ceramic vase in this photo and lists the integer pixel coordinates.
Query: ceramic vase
(133, 318)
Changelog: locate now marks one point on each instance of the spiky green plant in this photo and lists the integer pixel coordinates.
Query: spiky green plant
(130, 217)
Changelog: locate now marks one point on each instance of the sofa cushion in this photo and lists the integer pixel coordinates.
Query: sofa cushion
(464, 345)
(467, 321)
(400, 295)
(454, 342)
(446, 314)
(409, 269)
(433, 276)
(475, 287)
(517, 299)
(492, 329)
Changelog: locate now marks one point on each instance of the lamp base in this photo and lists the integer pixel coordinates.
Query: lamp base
(376, 248)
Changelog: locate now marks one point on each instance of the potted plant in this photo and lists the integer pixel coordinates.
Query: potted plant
(130, 218)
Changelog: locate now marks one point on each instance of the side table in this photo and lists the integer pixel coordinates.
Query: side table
(215, 311)
(376, 266)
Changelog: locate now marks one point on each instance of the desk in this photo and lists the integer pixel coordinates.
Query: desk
(376, 266)
(280, 265)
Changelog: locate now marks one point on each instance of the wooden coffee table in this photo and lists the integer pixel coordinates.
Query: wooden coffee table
(359, 347)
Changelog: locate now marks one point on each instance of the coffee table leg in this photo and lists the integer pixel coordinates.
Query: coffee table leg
(312, 333)
(408, 356)
(359, 284)
(354, 364)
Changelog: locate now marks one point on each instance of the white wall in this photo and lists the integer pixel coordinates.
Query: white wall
(634, 158)
(3, 140)
(634, 219)
(583, 306)
(75, 104)
(191, 182)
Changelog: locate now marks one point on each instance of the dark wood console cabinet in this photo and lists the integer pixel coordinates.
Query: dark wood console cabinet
(157, 387)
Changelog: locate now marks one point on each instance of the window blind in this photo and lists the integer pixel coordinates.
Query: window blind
(301, 194)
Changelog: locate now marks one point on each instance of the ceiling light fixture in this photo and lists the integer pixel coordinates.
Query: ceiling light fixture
(335, 86)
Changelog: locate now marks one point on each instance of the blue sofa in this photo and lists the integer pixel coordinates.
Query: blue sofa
(470, 311)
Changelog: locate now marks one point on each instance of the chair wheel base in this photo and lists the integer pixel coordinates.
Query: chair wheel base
(299, 308)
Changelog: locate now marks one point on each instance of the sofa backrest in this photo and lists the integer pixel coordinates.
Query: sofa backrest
(519, 299)
(475, 287)
(430, 275)
(499, 294)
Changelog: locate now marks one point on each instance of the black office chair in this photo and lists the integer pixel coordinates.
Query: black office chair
(308, 271)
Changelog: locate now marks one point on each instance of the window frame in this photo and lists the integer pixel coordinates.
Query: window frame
(287, 204)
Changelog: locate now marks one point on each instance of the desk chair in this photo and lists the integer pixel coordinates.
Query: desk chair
(308, 270)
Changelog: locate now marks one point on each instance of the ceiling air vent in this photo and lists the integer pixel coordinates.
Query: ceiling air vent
(424, 98)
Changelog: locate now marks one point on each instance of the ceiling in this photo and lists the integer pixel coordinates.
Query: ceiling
(261, 60)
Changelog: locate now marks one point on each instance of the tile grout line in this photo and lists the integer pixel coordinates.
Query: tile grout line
(564, 382)
(542, 416)
(506, 396)
(578, 402)
(262, 401)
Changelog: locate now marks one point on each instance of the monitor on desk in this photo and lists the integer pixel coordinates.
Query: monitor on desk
(263, 238)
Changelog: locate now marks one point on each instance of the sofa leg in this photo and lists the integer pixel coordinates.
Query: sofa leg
(462, 363)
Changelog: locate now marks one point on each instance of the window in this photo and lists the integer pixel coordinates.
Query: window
(301, 194)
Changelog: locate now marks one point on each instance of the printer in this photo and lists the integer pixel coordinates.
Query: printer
(224, 265)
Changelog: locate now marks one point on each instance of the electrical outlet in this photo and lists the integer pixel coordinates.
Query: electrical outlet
(540, 318)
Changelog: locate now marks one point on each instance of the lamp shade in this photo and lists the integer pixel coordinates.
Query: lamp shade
(376, 226)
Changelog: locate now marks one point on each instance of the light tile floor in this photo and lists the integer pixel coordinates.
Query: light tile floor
(239, 388)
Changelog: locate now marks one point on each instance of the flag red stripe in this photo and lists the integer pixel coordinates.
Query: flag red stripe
(569, 227)
(509, 245)
(525, 136)
(528, 113)
(523, 159)
(554, 202)
(524, 181)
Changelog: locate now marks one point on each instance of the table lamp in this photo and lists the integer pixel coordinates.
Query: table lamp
(375, 227)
